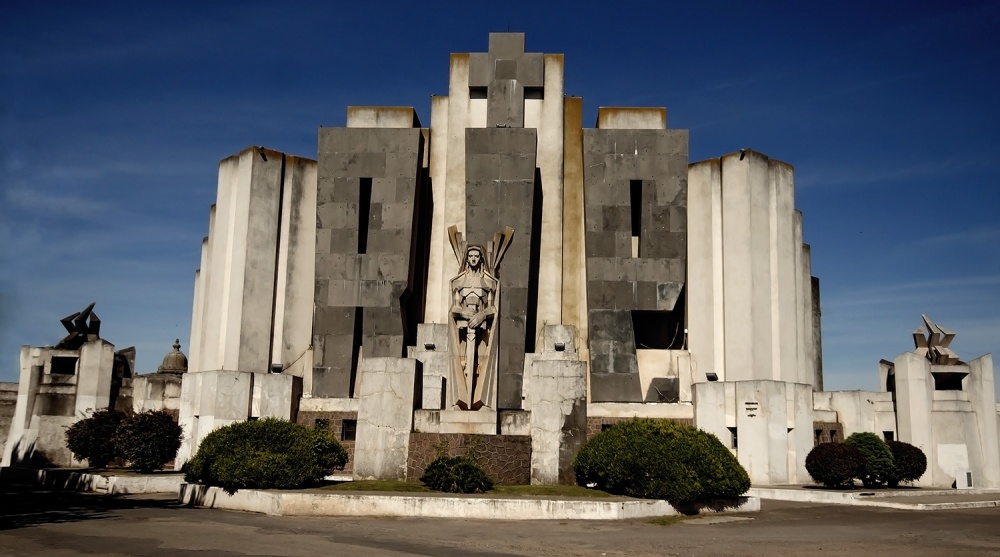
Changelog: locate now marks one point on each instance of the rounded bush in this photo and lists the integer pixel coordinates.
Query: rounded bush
(148, 440)
(878, 458)
(265, 454)
(835, 464)
(909, 463)
(456, 474)
(656, 459)
(92, 438)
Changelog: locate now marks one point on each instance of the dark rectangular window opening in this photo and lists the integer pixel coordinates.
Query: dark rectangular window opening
(819, 437)
(734, 441)
(63, 365)
(537, 93)
(659, 329)
(948, 381)
(477, 92)
(359, 330)
(605, 427)
(635, 199)
(833, 436)
(322, 424)
(364, 210)
(349, 430)
(889, 435)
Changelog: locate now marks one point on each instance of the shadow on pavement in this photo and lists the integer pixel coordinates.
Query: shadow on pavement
(26, 505)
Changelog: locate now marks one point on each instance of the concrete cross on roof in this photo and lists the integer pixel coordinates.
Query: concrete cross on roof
(505, 72)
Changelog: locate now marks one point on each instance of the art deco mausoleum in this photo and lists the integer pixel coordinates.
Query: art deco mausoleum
(510, 281)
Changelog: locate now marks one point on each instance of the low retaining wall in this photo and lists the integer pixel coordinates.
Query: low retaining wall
(890, 499)
(280, 503)
(112, 484)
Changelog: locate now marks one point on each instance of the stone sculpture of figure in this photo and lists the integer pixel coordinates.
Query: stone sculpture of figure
(474, 332)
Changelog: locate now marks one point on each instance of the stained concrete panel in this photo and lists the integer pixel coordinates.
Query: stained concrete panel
(635, 205)
(369, 262)
(385, 418)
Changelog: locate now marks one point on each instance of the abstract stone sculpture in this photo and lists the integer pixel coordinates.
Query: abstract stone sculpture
(474, 331)
(934, 346)
(82, 326)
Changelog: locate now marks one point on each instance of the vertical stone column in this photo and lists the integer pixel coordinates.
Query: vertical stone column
(705, 321)
(238, 272)
(550, 166)
(385, 418)
(556, 389)
(784, 296)
(18, 441)
(914, 398)
(574, 262)
(93, 378)
(296, 272)
(982, 395)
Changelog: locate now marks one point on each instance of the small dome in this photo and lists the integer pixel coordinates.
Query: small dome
(175, 361)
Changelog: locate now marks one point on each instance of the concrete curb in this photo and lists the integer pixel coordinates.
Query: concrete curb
(282, 503)
(878, 498)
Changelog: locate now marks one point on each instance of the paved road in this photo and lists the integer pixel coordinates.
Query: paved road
(74, 524)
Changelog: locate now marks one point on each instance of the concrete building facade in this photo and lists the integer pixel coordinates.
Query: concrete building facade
(510, 281)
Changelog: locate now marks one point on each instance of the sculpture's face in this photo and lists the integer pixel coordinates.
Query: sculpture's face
(474, 258)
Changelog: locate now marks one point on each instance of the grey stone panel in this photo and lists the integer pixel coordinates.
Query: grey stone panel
(615, 387)
(479, 69)
(505, 104)
(531, 69)
(501, 192)
(506, 46)
(617, 283)
(390, 161)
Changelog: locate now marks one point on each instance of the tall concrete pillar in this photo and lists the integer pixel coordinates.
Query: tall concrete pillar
(914, 400)
(982, 395)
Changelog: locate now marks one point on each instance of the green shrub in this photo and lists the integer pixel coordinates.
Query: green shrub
(456, 474)
(878, 458)
(835, 464)
(909, 463)
(660, 460)
(265, 454)
(148, 440)
(92, 438)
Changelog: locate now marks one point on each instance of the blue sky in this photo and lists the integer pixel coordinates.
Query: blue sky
(113, 117)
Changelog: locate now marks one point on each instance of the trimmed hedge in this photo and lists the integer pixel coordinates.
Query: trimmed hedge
(265, 454)
(835, 464)
(92, 438)
(456, 474)
(655, 459)
(878, 458)
(909, 463)
(148, 440)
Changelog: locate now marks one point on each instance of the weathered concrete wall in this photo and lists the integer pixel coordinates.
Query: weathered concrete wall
(768, 424)
(253, 293)
(753, 306)
(385, 418)
(631, 266)
(556, 388)
(366, 254)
